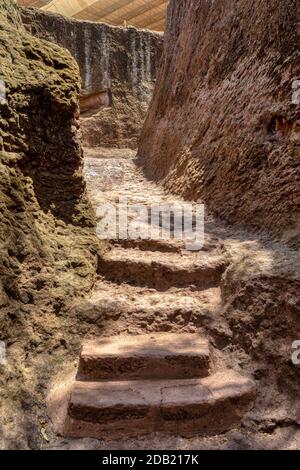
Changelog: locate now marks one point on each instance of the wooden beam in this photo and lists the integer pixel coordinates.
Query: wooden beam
(33, 3)
(141, 20)
(157, 26)
(68, 7)
(150, 19)
(101, 9)
(149, 6)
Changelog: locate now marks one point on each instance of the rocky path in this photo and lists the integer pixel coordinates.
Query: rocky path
(154, 285)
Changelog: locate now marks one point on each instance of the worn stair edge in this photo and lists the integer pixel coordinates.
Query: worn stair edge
(166, 246)
(201, 407)
(134, 267)
(156, 356)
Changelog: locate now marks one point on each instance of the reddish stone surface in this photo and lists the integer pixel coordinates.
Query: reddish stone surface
(158, 356)
(222, 125)
(184, 407)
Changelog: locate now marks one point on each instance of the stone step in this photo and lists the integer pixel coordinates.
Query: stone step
(149, 245)
(162, 270)
(148, 356)
(182, 407)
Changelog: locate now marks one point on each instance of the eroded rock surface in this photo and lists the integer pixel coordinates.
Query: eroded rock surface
(47, 242)
(223, 125)
(118, 61)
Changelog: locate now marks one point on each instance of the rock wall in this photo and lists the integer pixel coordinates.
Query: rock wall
(48, 245)
(222, 125)
(120, 61)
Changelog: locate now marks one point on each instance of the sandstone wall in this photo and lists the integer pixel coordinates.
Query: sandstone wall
(48, 244)
(222, 125)
(121, 61)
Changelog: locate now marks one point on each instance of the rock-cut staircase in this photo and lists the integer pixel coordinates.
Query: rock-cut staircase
(158, 372)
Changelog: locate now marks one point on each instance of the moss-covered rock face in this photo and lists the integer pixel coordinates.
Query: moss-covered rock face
(48, 245)
(42, 84)
(9, 11)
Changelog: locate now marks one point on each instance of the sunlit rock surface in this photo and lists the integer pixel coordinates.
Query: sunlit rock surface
(224, 122)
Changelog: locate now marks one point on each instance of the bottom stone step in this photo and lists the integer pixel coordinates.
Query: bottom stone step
(150, 356)
(182, 407)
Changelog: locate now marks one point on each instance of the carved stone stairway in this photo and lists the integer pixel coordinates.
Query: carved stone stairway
(149, 366)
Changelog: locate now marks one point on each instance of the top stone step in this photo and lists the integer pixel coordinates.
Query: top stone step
(151, 356)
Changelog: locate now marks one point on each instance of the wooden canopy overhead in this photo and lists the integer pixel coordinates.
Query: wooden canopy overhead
(148, 14)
